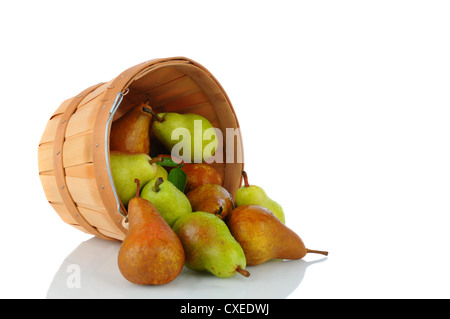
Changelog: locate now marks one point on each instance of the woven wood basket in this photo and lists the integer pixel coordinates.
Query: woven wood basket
(73, 152)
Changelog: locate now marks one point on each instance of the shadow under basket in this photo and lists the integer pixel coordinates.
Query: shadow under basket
(73, 152)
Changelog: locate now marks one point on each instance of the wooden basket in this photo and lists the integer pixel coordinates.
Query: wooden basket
(74, 149)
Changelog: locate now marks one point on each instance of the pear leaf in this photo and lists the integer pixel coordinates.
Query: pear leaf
(167, 161)
(178, 178)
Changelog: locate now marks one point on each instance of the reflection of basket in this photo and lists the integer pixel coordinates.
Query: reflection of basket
(74, 149)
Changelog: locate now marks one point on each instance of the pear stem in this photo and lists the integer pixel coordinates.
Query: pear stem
(158, 182)
(156, 160)
(243, 272)
(138, 182)
(219, 212)
(244, 174)
(156, 116)
(317, 252)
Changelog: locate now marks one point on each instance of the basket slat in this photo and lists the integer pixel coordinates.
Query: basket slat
(172, 91)
(62, 108)
(159, 77)
(83, 171)
(98, 219)
(84, 191)
(83, 119)
(94, 94)
(78, 149)
(50, 129)
(51, 188)
(45, 157)
(62, 211)
(186, 101)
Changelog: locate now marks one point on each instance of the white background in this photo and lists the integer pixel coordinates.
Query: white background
(345, 114)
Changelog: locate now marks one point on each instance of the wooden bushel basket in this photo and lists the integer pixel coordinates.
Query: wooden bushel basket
(74, 149)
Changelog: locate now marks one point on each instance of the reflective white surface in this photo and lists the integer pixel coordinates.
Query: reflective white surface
(344, 112)
(90, 271)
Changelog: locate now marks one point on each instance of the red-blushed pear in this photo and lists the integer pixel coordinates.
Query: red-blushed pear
(199, 174)
(211, 198)
(130, 133)
(264, 237)
(151, 253)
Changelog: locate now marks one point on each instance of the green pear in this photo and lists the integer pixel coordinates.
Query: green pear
(255, 195)
(209, 245)
(161, 172)
(190, 136)
(125, 168)
(169, 201)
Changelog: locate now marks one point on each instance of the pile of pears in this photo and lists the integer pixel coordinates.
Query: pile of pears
(179, 214)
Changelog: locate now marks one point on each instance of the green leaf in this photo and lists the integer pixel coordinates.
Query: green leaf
(178, 178)
(167, 161)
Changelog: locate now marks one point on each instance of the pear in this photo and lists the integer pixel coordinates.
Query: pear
(198, 174)
(151, 253)
(125, 168)
(130, 133)
(161, 172)
(170, 202)
(264, 237)
(211, 198)
(255, 195)
(198, 146)
(209, 246)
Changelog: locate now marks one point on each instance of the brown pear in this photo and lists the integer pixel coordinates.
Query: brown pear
(198, 174)
(211, 198)
(130, 133)
(151, 253)
(264, 237)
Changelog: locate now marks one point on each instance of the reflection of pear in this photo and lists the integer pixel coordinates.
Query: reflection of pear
(151, 253)
(130, 133)
(264, 237)
(95, 262)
